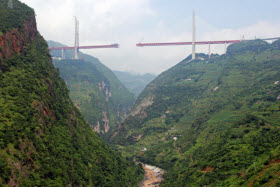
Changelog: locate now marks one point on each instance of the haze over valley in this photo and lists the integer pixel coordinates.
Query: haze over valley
(140, 93)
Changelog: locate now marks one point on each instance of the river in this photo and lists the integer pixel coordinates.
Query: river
(152, 177)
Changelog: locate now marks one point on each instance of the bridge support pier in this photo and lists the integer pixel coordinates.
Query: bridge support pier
(209, 50)
(62, 54)
(225, 47)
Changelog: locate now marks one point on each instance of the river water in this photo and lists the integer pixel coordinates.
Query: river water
(152, 177)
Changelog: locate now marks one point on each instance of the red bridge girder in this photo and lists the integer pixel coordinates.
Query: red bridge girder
(86, 47)
(188, 43)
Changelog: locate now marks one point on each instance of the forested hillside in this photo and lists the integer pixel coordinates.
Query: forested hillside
(212, 122)
(135, 83)
(95, 90)
(44, 140)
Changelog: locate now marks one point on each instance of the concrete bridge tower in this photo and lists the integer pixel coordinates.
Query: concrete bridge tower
(76, 49)
(193, 37)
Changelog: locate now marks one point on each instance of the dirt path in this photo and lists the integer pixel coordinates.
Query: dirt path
(153, 176)
(177, 149)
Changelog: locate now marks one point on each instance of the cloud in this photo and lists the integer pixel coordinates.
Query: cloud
(128, 22)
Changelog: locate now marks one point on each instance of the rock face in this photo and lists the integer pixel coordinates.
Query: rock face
(96, 127)
(44, 139)
(140, 109)
(96, 91)
(105, 89)
(106, 122)
(153, 176)
(105, 125)
(14, 41)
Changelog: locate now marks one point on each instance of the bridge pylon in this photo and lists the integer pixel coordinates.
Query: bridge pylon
(193, 37)
(76, 47)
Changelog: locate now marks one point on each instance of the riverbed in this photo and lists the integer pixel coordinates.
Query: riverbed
(152, 177)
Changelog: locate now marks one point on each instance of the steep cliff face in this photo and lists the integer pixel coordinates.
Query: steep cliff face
(44, 140)
(14, 41)
(17, 28)
(95, 90)
(105, 90)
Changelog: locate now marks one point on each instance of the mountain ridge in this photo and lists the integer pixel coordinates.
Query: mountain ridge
(204, 120)
(44, 140)
(136, 83)
(101, 97)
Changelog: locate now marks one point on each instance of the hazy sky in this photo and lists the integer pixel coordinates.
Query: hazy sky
(128, 22)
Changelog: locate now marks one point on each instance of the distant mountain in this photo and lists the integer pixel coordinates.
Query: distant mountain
(94, 89)
(44, 139)
(211, 122)
(135, 83)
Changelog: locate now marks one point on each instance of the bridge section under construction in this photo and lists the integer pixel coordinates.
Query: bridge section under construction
(77, 46)
(194, 42)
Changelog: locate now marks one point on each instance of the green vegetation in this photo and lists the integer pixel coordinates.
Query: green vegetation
(135, 83)
(94, 89)
(99, 97)
(13, 18)
(44, 140)
(224, 112)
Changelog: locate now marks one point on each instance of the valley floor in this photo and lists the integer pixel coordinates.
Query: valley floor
(152, 177)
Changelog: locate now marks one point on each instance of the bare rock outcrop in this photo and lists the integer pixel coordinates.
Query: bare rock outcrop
(14, 41)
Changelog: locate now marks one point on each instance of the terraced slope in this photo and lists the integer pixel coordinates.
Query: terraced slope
(211, 121)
